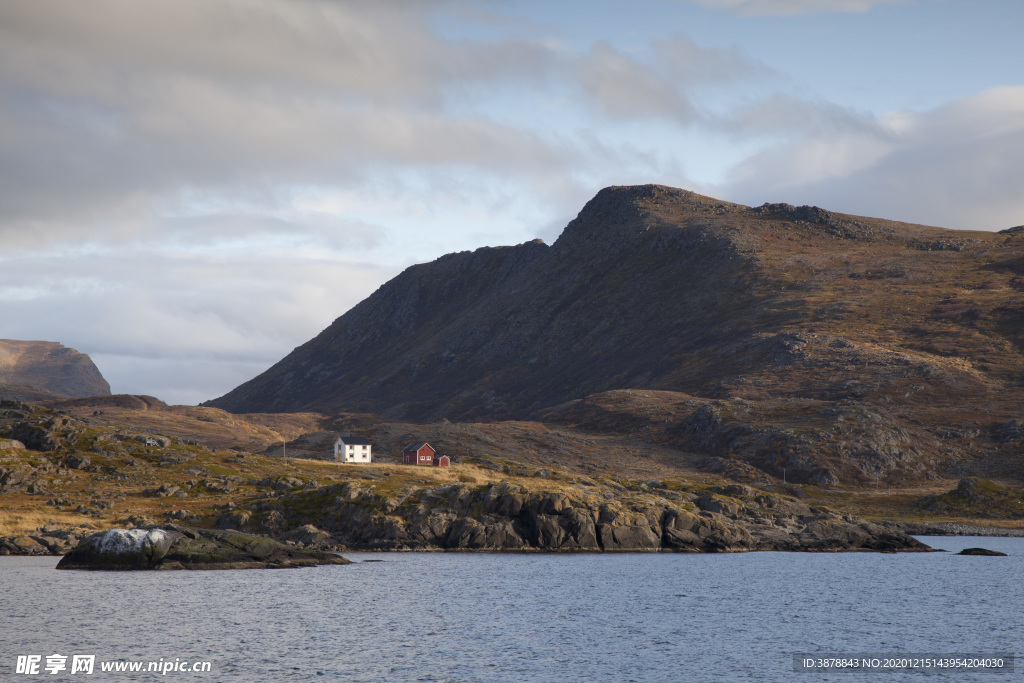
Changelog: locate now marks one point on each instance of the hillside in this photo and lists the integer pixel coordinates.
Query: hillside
(81, 473)
(120, 461)
(819, 346)
(26, 367)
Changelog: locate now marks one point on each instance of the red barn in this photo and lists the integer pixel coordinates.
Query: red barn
(442, 461)
(418, 454)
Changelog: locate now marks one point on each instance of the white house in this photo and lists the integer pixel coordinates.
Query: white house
(353, 449)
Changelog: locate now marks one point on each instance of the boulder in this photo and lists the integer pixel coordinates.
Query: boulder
(175, 547)
(46, 434)
(309, 536)
(1007, 432)
(120, 549)
(11, 478)
(722, 506)
(235, 519)
(79, 462)
(625, 530)
(164, 490)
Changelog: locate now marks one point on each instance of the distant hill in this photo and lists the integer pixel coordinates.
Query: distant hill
(48, 366)
(659, 288)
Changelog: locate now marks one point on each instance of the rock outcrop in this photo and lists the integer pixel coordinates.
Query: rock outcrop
(46, 433)
(502, 516)
(174, 547)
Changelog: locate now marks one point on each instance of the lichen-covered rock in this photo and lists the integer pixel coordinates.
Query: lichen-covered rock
(187, 548)
(120, 549)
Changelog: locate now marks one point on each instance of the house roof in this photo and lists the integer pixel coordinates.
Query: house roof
(354, 441)
(416, 447)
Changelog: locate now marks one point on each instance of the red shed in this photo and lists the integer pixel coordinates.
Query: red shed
(442, 461)
(418, 454)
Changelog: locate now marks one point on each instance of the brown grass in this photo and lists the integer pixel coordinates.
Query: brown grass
(26, 519)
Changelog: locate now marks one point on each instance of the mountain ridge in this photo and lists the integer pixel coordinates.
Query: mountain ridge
(466, 284)
(473, 285)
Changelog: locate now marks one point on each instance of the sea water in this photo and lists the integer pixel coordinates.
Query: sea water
(521, 617)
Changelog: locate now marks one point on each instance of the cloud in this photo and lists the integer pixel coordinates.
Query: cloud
(793, 7)
(628, 87)
(958, 165)
(244, 307)
(116, 113)
(113, 111)
(783, 114)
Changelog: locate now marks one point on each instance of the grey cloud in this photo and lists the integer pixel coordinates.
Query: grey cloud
(626, 88)
(784, 114)
(241, 306)
(114, 112)
(955, 166)
(688, 64)
(373, 50)
(660, 86)
(311, 229)
(115, 109)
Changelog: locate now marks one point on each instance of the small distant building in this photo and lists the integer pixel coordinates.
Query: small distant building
(418, 454)
(353, 449)
(442, 461)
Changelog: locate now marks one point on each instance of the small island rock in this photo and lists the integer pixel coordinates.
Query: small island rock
(173, 547)
(981, 551)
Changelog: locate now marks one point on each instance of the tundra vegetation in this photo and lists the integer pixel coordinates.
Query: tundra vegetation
(88, 472)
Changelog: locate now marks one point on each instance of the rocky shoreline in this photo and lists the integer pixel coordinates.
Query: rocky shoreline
(506, 517)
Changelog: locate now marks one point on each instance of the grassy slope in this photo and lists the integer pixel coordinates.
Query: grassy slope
(112, 490)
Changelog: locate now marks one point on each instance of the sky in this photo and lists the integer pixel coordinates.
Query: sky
(189, 189)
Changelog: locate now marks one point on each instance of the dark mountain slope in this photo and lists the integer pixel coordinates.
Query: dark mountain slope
(501, 331)
(659, 288)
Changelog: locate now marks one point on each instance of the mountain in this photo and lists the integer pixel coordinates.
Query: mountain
(38, 370)
(659, 288)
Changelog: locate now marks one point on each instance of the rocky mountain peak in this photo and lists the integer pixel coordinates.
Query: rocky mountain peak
(622, 213)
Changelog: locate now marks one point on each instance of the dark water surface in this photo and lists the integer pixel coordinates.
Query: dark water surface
(525, 617)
